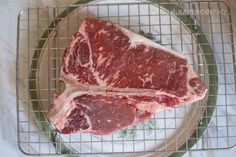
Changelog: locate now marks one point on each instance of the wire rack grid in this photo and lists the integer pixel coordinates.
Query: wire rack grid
(200, 30)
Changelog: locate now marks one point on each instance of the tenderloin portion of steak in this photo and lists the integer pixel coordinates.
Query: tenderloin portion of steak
(95, 113)
(116, 78)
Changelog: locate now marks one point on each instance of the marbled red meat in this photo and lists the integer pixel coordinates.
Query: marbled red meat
(116, 78)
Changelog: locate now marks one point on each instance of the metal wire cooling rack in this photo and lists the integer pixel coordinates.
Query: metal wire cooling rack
(201, 30)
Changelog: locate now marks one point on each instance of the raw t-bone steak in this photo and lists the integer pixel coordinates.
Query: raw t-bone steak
(116, 78)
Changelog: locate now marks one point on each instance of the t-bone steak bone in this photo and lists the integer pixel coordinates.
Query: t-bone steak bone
(102, 63)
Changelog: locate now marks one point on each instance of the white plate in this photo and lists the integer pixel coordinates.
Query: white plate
(167, 130)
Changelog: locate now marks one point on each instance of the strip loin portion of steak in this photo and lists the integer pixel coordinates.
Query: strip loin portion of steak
(116, 78)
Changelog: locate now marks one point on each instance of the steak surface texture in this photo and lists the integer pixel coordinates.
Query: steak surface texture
(116, 78)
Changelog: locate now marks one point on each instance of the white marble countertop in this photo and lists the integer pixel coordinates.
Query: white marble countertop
(8, 17)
